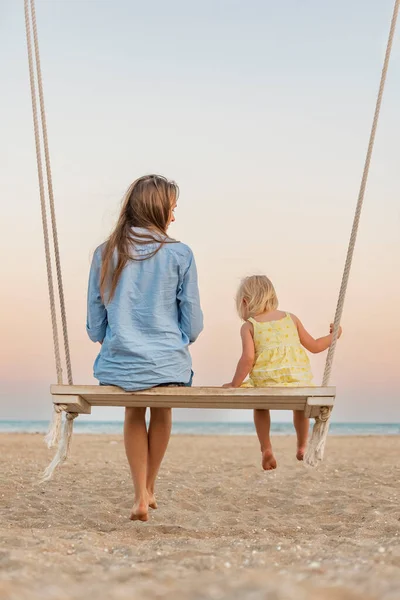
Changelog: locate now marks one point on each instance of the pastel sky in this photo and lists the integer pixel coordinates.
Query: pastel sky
(261, 111)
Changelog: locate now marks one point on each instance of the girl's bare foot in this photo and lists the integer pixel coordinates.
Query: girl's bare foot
(268, 460)
(140, 511)
(152, 500)
(300, 453)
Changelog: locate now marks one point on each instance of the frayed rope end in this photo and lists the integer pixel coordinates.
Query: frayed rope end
(63, 447)
(316, 446)
(52, 437)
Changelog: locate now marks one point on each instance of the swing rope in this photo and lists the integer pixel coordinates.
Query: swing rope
(315, 450)
(53, 436)
(56, 342)
(51, 199)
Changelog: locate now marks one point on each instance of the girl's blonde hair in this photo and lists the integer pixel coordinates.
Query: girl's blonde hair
(256, 295)
(147, 204)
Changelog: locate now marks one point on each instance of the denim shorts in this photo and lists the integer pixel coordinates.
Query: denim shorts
(177, 384)
(170, 384)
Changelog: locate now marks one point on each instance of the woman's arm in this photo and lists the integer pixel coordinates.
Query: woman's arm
(96, 323)
(188, 297)
(311, 344)
(246, 361)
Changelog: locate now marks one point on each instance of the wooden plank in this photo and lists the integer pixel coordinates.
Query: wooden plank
(199, 403)
(313, 405)
(88, 390)
(325, 401)
(275, 398)
(74, 404)
(191, 401)
(314, 412)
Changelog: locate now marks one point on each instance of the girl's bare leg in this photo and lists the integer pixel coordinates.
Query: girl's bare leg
(158, 438)
(301, 425)
(262, 421)
(136, 448)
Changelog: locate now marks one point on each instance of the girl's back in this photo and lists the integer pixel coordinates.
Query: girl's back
(280, 358)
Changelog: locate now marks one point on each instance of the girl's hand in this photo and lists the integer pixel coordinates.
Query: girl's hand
(339, 332)
(246, 361)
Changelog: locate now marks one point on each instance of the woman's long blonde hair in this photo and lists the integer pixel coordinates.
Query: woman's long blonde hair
(256, 295)
(147, 204)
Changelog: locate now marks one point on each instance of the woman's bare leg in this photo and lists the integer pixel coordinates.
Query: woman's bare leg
(262, 421)
(158, 438)
(136, 448)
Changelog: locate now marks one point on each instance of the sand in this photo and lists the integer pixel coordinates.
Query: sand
(224, 529)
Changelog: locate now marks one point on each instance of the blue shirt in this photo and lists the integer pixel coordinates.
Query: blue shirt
(147, 327)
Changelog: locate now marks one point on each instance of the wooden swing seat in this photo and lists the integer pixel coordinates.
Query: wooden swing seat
(81, 398)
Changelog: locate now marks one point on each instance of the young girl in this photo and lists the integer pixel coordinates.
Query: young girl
(273, 354)
(144, 309)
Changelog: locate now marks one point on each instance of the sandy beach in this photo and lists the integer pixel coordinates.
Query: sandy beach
(224, 529)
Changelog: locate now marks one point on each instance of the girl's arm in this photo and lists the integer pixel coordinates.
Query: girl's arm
(190, 313)
(311, 344)
(96, 323)
(246, 361)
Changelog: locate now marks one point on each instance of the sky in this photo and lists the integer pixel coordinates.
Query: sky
(261, 112)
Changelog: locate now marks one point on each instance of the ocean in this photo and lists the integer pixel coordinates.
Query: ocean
(202, 428)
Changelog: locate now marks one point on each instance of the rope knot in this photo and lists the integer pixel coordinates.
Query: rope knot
(324, 414)
(70, 416)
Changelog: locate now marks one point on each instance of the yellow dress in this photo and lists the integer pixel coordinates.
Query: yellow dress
(280, 358)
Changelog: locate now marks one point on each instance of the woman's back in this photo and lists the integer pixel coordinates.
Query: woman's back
(152, 318)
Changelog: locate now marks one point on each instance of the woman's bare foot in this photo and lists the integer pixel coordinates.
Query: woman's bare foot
(152, 500)
(140, 512)
(268, 460)
(300, 453)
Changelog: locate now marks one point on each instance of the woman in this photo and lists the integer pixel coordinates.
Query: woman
(144, 309)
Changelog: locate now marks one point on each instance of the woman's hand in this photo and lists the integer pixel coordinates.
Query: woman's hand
(228, 385)
(339, 332)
